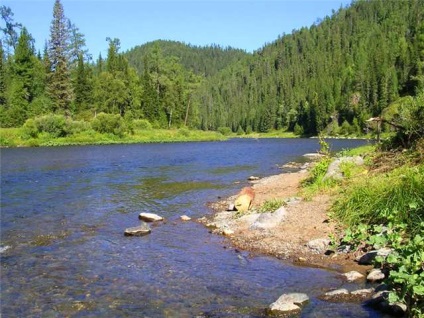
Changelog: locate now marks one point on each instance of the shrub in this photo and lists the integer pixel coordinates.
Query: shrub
(142, 124)
(249, 129)
(55, 125)
(109, 124)
(30, 129)
(298, 130)
(76, 127)
(225, 130)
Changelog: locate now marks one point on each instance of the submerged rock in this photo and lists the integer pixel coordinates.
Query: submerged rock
(140, 230)
(150, 217)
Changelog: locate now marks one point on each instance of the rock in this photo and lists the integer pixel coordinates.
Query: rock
(334, 172)
(150, 217)
(140, 230)
(336, 293)
(369, 257)
(363, 292)
(352, 276)
(244, 199)
(380, 301)
(227, 232)
(231, 207)
(375, 275)
(319, 246)
(269, 220)
(185, 218)
(253, 178)
(289, 302)
(4, 248)
(313, 156)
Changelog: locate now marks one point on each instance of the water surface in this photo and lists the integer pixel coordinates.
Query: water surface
(64, 211)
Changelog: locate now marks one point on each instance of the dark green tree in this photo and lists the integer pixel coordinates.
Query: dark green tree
(59, 82)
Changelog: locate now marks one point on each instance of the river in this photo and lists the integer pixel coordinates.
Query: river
(64, 254)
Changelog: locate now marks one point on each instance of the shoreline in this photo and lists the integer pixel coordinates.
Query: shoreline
(304, 221)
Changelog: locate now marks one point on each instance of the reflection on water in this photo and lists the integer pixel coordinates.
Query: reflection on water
(64, 211)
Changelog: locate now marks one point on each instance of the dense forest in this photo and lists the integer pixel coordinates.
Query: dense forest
(330, 77)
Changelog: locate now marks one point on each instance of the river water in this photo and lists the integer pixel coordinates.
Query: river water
(64, 211)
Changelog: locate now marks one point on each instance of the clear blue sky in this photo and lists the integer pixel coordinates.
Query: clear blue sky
(244, 24)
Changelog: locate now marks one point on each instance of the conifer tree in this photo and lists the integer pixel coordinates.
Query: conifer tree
(60, 89)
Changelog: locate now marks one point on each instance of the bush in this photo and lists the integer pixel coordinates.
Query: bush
(249, 130)
(298, 130)
(225, 130)
(142, 124)
(30, 129)
(55, 125)
(109, 124)
(76, 127)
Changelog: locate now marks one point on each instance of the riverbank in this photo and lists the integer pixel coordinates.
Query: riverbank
(305, 221)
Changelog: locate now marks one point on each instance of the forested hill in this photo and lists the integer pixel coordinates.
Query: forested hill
(340, 71)
(329, 77)
(201, 60)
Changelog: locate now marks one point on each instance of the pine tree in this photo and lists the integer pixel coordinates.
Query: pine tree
(59, 88)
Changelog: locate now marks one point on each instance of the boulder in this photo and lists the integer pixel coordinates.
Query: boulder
(140, 230)
(269, 220)
(334, 172)
(289, 302)
(244, 199)
(150, 217)
(319, 246)
(352, 276)
(253, 178)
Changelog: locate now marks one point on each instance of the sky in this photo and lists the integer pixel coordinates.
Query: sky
(243, 24)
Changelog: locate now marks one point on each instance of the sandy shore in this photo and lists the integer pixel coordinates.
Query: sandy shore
(305, 220)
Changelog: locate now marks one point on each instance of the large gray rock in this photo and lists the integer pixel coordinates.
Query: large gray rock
(319, 246)
(269, 220)
(149, 217)
(334, 171)
(289, 302)
(140, 230)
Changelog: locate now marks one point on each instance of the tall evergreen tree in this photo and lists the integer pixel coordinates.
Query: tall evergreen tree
(60, 89)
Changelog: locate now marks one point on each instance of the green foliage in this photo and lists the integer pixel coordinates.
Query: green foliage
(142, 124)
(405, 263)
(109, 124)
(224, 130)
(397, 197)
(317, 173)
(240, 131)
(271, 205)
(298, 130)
(55, 125)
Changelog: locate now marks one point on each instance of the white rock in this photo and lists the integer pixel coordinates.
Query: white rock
(337, 292)
(141, 230)
(228, 232)
(363, 292)
(289, 302)
(149, 217)
(185, 218)
(375, 275)
(352, 276)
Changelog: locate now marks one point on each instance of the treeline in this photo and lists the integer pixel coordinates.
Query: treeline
(330, 77)
(64, 80)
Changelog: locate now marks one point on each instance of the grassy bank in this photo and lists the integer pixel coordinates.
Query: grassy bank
(381, 204)
(16, 137)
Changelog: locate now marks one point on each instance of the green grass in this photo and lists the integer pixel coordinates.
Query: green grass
(14, 137)
(396, 197)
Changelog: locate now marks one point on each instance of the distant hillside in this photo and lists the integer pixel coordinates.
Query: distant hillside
(206, 60)
(331, 76)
